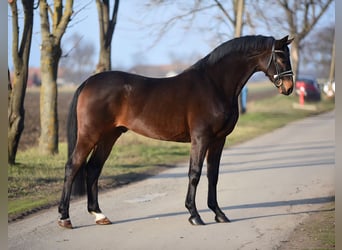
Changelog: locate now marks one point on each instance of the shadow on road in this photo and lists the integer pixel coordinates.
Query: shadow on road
(266, 156)
(308, 201)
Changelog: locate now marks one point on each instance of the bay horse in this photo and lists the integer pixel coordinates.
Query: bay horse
(198, 106)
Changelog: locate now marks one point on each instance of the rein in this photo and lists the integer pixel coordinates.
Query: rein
(277, 78)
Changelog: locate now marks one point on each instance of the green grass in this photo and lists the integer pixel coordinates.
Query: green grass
(36, 181)
(259, 87)
(317, 231)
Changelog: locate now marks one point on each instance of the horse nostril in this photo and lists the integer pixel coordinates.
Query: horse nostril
(289, 91)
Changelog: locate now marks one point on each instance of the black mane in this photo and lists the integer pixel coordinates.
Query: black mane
(246, 45)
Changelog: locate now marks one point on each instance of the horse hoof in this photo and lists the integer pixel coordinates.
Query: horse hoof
(103, 221)
(100, 218)
(221, 219)
(196, 221)
(66, 223)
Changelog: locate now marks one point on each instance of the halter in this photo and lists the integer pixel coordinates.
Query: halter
(278, 81)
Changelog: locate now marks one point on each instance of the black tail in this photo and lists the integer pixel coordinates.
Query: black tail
(79, 185)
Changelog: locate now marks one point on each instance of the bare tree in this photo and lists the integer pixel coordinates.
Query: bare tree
(239, 5)
(107, 25)
(317, 51)
(302, 16)
(236, 19)
(298, 18)
(229, 14)
(50, 55)
(17, 87)
(294, 17)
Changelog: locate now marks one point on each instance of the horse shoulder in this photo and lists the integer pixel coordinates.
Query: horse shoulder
(226, 119)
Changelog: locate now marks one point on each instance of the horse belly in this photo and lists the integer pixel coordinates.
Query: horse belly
(160, 134)
(157, 127)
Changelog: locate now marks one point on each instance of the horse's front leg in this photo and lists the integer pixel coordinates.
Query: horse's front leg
(213, 163)
(198, 150)
(93, 173)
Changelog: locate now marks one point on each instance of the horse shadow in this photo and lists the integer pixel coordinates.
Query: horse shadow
(297, 202)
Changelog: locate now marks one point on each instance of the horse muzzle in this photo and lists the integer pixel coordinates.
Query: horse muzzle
(285, 86)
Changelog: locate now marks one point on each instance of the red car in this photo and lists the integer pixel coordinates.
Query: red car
(310, 88)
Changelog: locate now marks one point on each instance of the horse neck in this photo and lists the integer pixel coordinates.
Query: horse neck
(232, 74)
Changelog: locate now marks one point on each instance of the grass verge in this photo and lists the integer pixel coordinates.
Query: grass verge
(315, 232)
(36, 181)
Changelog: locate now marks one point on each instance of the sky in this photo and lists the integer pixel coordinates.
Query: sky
(134, 40)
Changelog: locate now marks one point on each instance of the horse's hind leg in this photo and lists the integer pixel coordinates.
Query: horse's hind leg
(81, 152)
(213, 163)
(94, 168)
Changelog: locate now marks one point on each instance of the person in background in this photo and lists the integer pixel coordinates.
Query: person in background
(243, 99)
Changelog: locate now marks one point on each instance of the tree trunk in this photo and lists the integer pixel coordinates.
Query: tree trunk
(20, 55)
(48, 141)
(332, 64)
(239, 18)
(16, 115)
(240, 5)
(107, 25)
(104, 63)
(49, 58)
(295, 57)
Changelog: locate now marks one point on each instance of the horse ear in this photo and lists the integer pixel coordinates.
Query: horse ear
(284, 41)
(289, 40)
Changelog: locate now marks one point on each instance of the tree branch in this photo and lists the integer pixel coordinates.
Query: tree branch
(310, 24)
(64, 20)
(290, 15)
(112, 24)
(15, 32)
(101, 21)
(218, 3)
(24, 50)
(57, 14)
(169, 23)
(44, 23)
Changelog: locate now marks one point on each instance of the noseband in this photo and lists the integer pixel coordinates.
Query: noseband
(278, 81)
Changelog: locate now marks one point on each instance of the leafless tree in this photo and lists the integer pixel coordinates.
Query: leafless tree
(51, 52)
(317, 50)
(229, 14)
(107, 25)
(17, 87)
(296, 17)
(302, 16)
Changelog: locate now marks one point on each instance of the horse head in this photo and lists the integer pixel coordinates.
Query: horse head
(278, 68)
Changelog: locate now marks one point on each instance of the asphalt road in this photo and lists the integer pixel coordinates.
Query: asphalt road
(267, 186)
